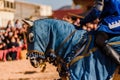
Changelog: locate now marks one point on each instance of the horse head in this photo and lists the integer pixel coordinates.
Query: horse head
(35, 55)
(46, 39)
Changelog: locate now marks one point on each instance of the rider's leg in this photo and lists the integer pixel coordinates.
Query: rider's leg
(100, 39)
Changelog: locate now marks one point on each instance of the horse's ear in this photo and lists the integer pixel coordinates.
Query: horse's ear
(28, 22)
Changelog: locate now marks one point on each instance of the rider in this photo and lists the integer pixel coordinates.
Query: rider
(104, 17)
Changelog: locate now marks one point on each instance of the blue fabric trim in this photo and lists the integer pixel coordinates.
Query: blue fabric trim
(111, 20)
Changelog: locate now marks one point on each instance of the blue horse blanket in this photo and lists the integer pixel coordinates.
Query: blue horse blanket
(51, 33)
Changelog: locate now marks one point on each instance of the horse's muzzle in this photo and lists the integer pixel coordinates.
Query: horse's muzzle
(36, 59)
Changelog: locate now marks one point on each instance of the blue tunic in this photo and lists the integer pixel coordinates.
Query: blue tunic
(108, 11)
(111, 7)
(110, 24)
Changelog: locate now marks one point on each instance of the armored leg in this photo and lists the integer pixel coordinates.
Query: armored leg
(101, 37)
(109, 51)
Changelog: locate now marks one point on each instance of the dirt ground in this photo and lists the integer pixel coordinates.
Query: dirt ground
(22, 70)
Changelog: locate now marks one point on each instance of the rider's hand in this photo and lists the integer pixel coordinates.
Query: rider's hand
(91, 25)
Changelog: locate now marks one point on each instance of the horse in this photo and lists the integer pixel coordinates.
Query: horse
(71, 50)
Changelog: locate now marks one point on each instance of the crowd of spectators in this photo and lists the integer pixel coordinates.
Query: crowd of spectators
(13, 36)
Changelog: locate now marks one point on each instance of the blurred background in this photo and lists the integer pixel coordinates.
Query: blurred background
(20, 9)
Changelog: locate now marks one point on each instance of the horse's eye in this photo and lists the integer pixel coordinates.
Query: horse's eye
(31, 37)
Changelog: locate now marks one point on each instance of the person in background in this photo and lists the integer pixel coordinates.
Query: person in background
(9, 24)
(104, 17)
(18, 24)
(68, 19)
(73, 19)
(13, 43)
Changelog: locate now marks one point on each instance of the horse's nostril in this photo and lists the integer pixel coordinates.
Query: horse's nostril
(26, 57)
(34, 63)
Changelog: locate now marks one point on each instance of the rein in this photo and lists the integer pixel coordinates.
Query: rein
(61, 45)
(114, 43)
(59, 62)
(85, 53)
